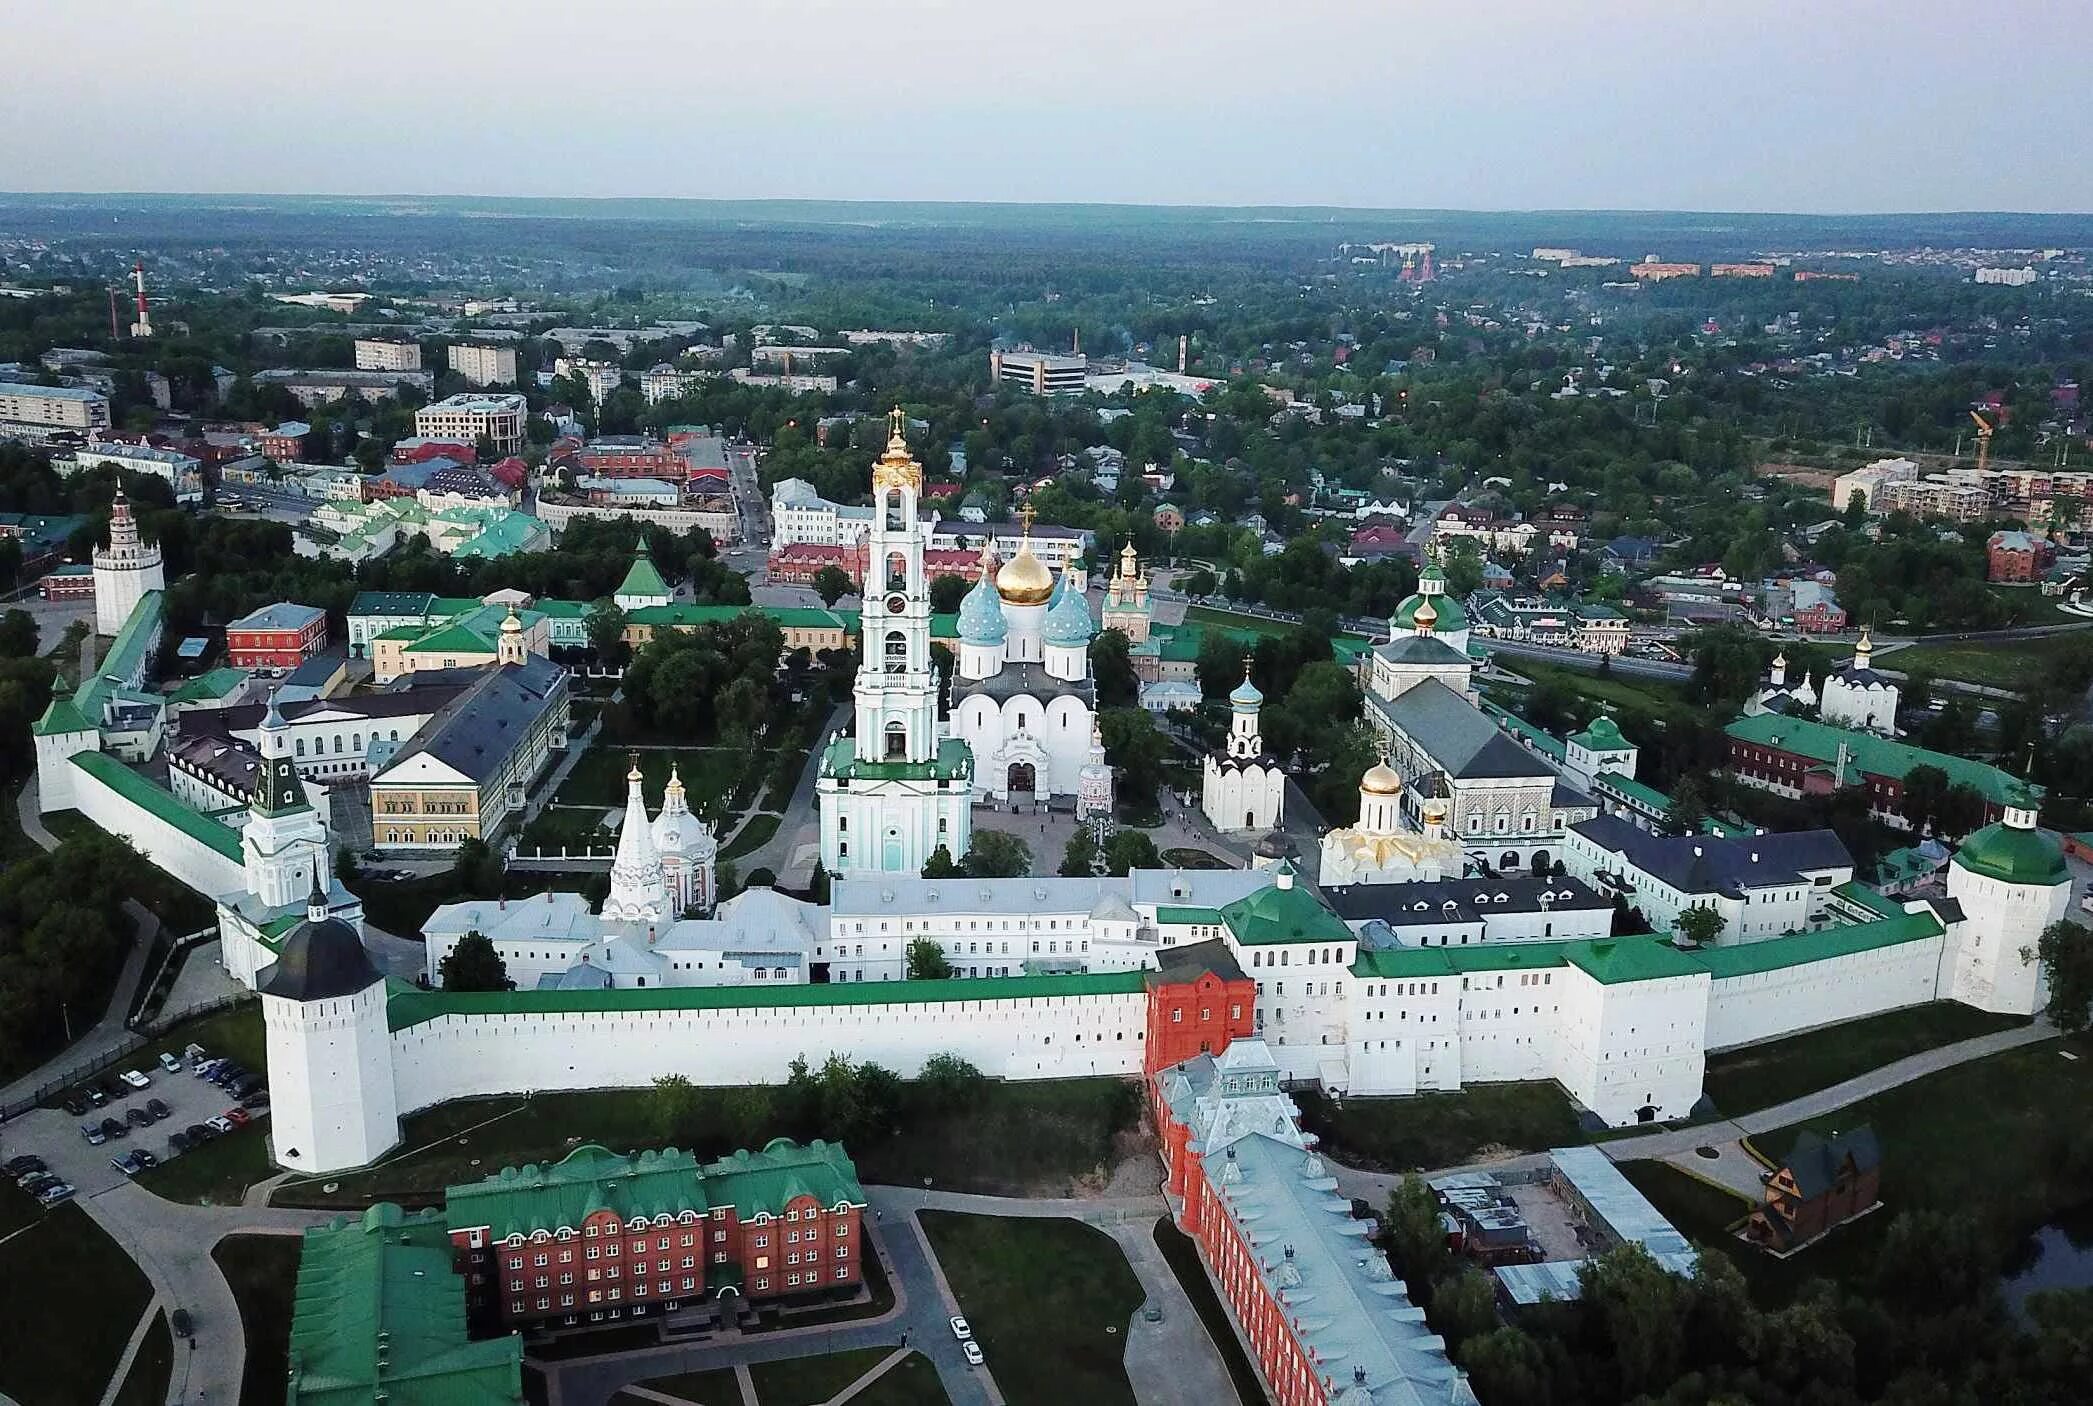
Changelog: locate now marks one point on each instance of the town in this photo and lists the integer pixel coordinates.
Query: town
(779, 803)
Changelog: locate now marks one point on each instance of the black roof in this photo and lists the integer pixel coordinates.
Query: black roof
(476, 731)
(321, 960)
(1713, 864)
(1457, 735)
(1194, 960)
(1815, 1162)
(1473, 899)
(1023, 680)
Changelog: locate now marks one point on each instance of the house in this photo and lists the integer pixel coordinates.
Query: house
(2016, 558)
(1817, 610)
(1629, 553)
(1824, 1183)
(279, 636)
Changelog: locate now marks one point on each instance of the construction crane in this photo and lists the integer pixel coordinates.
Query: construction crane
(1984, 428)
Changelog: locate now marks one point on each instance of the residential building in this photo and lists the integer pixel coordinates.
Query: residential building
(599, 1236)
(388, 354)
(1651, 270)
(181, 472)
(471, 768)
(285, 444)
(498, 417)
(666, 382)
(483, 365)
(2006, 277)
(2017, 558)
(1821, 1184)
(38, 413)
(280, 636)
(315, 388)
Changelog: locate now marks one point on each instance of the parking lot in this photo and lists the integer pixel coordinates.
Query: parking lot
(54, 1134)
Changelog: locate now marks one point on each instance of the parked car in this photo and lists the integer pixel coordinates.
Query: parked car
(245, 1085)
(972, 1352)
(238, 1117)
(181, 1323)
(194, 1054)
(257, 1100)
(23, 1165)
(198, 1133)
(111, 1088)
(138, 1118)
(113, 1128)
(225, 1073)
(52, 1195)
(94, 1134)
(37, 1181)
(74, 1105)
(136, 1079)
(159, 1109)
(219, 1125)
(177, 1143)
(95, 1095)
(204, 1068)
(169, 1063)
(960, 1329)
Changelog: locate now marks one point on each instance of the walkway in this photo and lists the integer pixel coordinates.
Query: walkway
(801, 827)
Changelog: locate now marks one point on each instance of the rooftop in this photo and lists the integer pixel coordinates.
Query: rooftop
(1868, 753)
(1697, 864)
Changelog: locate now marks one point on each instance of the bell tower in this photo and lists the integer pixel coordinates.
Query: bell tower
(897, 682)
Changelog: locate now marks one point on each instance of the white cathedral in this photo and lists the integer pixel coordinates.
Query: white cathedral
(898, 787)
(1243, 788)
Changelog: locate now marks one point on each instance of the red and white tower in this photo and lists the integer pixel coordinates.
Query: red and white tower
(143, 327)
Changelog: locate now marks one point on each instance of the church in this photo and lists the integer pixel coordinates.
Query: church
(1855, 695)
(899, 788)
(1381, 848)
(1243, 787)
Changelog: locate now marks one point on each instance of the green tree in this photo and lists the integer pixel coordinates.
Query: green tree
(1961, 810)
(673, 1108)
(474, 965)
(477, 870)
(1688, 810)
(1701, 925)
(17, 635)
(1638, 1305)
(606, 627)
(1507, 1365)
(1131, 849)
(949, 1082)
(1416, 1239)
(1112, 665)
(1199, 584)
(940, 865)
(1463, 1306)
(997, 854)
(2065, 950)
(947, 591)
(1079, 859)
(832, 583)
(1925, 791)
(926, 961)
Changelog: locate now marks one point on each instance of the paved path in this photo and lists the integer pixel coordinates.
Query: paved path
(800, 826)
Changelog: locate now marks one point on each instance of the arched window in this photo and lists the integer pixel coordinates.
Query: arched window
(896, 652)
(897, 740)
(897, 572)
(895, 522)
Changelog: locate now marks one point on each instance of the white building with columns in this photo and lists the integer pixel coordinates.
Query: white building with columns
(898, 787)
(1243, 788)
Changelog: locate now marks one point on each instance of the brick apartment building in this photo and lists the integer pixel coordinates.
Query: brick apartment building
(279, 636)
(800, 563)
(600, 1236)
(2016, 558)
(630, 456)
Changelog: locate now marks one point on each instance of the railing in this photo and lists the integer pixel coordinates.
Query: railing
(138, 1039)
(158, 982)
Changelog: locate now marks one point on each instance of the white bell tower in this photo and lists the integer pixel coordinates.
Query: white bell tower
(284, 842)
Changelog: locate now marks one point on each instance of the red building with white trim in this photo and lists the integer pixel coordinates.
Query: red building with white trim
(279, 636)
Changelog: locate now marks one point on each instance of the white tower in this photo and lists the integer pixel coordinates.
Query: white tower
(1245, 788)
(689, 851)
(2012, 882)
(332, 1102)
(897, 788)
(124, 570)
(637, 891)
(1094, 786)
(284, 842)
(511, 649)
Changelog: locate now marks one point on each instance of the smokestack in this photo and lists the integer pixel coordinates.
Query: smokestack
(1183, 345)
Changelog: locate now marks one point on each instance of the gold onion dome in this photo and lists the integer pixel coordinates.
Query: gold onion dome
(1381, 780)
(1025, 579)
(897, 467)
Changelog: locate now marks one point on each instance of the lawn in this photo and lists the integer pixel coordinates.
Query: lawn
(152, 1369)
(715, 1388)
(235, 1031)
(1040, 1138)
(263, 1273)
(77, 1299)
(754, 835)
(2006, 664)
(913, 1381)
(598, 779)
(571, 828)
(1760, 1076)
(1049, 1301)
(1430, 1131)
(1178, 1248)
(1644, 695)
(810, 1381)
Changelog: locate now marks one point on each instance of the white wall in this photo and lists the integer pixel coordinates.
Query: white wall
(1742, 1009)
(187, 859)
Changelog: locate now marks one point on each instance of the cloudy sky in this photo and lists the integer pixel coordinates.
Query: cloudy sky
(1829, 105)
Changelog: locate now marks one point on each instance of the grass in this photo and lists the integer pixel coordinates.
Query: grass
(1050, 1300)
(263, 1273)
(913, 1381)
(1016, 1138)
(572, 828)
(235, 1031)
(1429, 1131)
(2006, 664)
(715, 1388)
(810, 1381)
(152, 1369)
(76, 1300)
(598, 779)
(754, 835)
(1646, 695)
(1183, 1256)
(1760, 1076)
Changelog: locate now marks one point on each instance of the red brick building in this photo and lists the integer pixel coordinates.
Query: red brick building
(630, 456)
(1824, 1183)
(798, 564)
(2016, 558)
(1198, 1000)
(67, 583)
(286, 443)
(279, 636)
(598, 1237)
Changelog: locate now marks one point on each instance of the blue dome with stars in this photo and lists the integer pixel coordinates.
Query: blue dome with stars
(981, 615)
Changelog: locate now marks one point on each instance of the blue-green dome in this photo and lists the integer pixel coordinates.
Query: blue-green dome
(1246, 694)
(1068, 620)
(1060, 590)
(981, 615)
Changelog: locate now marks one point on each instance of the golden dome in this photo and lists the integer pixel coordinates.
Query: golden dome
(1024, 579)
(897, 467)
(1426, 616)
(1380, 780)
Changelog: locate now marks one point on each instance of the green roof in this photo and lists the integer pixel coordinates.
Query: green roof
(954, 762)
(1451, 615)
(1283, 913)
(126, 659)
(1858, 893)
(1604, 735)
(158, 801)
(1179, 915)
(644, 579)
(770, 1180)
(2014, 855)
(797, 617)
(60, 716)
(564, 609)
(1647, 796)
(1876, 756)
(519, 1200)
(414, 1006)
(1546, 742)
(1608, 960)
(1776, 953)
(455, 638)
(379, 1314)
(215, 684)
(1611, 960)
(509, 533)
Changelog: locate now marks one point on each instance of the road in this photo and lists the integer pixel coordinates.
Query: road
(751, 511)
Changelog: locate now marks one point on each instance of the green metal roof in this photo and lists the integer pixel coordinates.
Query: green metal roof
(796, 617)
(954, 762)
(1603, 735)
(1878, 756)
(1616, 959)
(1647, 796)
(1451, 615)
(379, 1315)
(1288, 913)
(2014, 856)
(1608, 960)
(60, 716)
(1774, 954)
(519, 1200)
(413, 1007)
(126, 658)
(505, 535)
(644, 579)
(1181, 915)
(1548, 744)
(780, 1174)
(157, 800)
(215, 684)
(455, 638)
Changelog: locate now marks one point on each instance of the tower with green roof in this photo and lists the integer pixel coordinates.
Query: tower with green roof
(62, 733)
(1448, 617)
(2011, 882)
(642, 585)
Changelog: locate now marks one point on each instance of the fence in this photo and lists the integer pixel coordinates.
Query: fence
(136, 1040)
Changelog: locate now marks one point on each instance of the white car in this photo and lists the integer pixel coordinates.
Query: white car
(219, 1125)
(972, 1352)
(136, 1080)
(960, 1329)
(169, 1063)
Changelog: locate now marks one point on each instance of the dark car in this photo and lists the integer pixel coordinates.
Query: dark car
(178, 1143)
(259, 1099)
(182, 1324)
(138, 1118)
(114, 1128)
(244, 1085)
(74, 1105)
(112, 1089)
(158, 1108)
(95, 1095)
(225, 1073)
(23, 1165)
(35, 1184)
(198, 1134)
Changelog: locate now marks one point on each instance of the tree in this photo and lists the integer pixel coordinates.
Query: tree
(940, 865)
(949, 1082)
(926, 961)
(478, 870)
(674, 1108)
(832, 583)
(1112, 665)
(1701, 925)
(1505, 1364)
(18, 634)
(947, 591)
(1079, 859)
(1199, 584)
(606, 626)
(2065, 950)
(1688, 810)
(474, 965)
(1463, 1306)
(1925, 791)
(1131, 849)
(1638, 1303)
(1961, 810)
(996, 854)
(1416, 1239)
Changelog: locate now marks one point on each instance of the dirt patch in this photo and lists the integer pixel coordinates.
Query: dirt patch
(1806, 475)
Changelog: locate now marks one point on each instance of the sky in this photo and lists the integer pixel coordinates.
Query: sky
(1826, 106)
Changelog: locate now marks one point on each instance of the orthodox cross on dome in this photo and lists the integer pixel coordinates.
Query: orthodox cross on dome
(1025, 516)
(897, 426)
